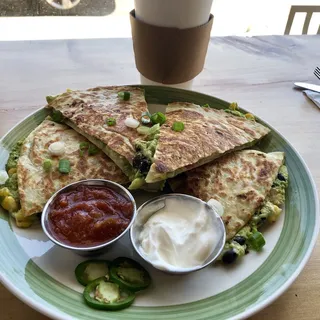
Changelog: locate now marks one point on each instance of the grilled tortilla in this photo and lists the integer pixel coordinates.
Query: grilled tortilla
(208, 134)
(36, 185)
(240, 181)
(153, 157)
(87, 111)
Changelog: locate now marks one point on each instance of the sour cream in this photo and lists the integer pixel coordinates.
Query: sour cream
(57, 148)
(180, 235)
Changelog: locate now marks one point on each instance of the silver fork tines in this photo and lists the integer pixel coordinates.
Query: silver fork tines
(316, 72)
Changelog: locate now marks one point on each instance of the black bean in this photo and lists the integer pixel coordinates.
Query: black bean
(241, 240)
(137, 160)
(281, 177)
(144, 165)
(141, 162)
(229, 256)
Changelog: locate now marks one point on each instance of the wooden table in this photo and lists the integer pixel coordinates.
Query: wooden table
(257, 72)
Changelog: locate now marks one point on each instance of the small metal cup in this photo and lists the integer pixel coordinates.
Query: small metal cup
(146, 210)
(90, 250)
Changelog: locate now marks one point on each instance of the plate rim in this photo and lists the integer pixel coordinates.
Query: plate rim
(59, 315)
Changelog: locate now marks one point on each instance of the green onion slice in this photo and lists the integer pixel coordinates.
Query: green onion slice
(124, 95)
(146, 118)
(111, 121)
(50, 98)
(178, 126)
(206, 106)
(143, 130)
(47, 165)
(84, 145)
(256, 241)
(64, 166)
(57, 116)
(93, 150)
(158, 117)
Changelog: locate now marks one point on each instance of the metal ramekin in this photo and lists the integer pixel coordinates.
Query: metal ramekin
(90, 249)
(145, 211)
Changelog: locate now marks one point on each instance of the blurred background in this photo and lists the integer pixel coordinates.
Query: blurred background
(37, 19)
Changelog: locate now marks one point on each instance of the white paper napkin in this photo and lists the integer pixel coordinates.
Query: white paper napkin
(313, 96)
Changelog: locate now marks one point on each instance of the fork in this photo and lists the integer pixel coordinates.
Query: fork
(316, 72)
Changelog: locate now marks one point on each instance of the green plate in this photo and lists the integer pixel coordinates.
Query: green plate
(41, 274)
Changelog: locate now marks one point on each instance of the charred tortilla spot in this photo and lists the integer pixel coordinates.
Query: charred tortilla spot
(263, 173)
(262, 155)
(249, 195)
(161, 167)
(237, 225)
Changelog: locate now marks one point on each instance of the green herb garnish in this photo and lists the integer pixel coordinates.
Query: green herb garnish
(57, 116)
(84, 145)
(93, 150)
(111, 121)
(256, 241)
(124, 95)
(178, 126)
(64, 166)
(143, 130)
(206, 106)
(47, 165)
(158, 117)
(50, 98)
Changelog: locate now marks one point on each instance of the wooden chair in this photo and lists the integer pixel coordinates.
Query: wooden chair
(306, 9)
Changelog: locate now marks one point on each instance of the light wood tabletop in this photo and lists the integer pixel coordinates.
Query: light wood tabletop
(256, 72)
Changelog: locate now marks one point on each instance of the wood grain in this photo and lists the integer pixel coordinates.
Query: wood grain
(256, 72)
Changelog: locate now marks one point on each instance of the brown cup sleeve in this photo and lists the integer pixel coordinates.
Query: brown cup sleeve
(169, 55)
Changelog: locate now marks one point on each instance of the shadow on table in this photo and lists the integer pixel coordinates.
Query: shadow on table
(21, 8)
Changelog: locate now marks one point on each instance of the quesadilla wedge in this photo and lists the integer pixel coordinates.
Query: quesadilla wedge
(249, 184)
(36, 173)
(100, 114)
(207, 134)
(150, 155)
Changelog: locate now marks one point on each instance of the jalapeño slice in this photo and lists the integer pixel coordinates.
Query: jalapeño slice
(106, 295)
(129, 274)
(90, 270)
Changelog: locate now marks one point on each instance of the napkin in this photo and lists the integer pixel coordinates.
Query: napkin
(313, 96)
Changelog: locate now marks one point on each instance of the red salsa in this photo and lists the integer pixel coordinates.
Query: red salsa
(89, 215)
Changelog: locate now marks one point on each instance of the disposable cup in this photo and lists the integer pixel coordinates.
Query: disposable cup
(182, 14)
